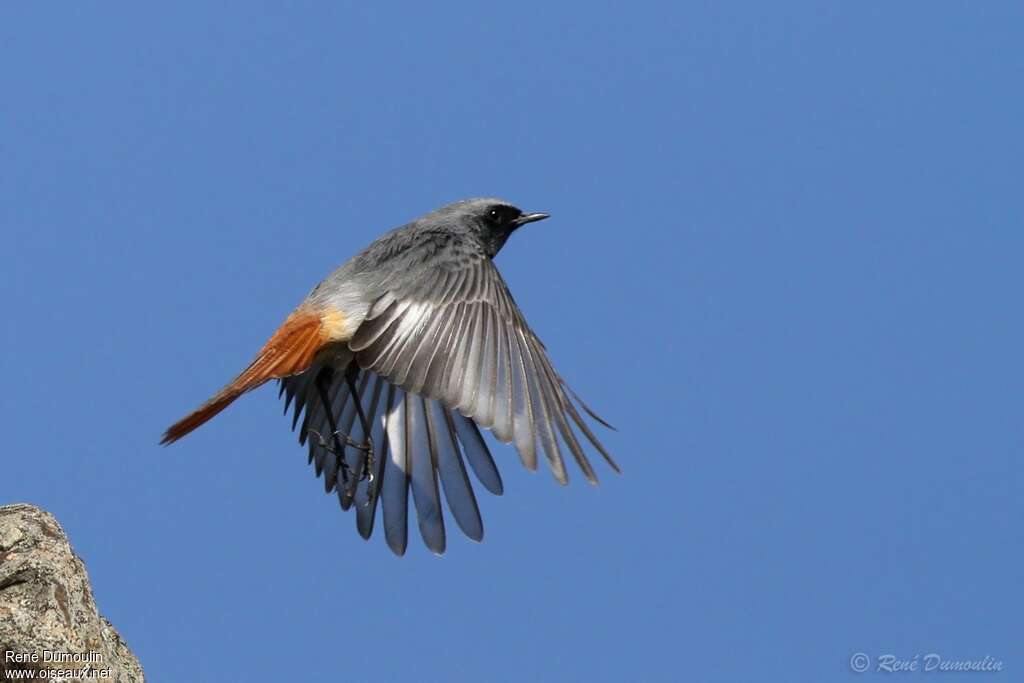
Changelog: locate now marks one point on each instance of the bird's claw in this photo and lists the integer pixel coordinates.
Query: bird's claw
(343, 467)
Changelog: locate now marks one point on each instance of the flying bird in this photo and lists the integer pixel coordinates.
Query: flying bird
(397, 360)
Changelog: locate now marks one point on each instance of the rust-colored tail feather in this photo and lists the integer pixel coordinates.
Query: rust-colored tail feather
(290, 351)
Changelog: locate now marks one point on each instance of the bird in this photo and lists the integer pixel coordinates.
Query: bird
(398, 359)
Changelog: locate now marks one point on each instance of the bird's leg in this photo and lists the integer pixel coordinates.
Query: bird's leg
(322, 380)
(367, 444)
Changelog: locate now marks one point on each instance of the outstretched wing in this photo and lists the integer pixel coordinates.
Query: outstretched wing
(417, 442)
(456, 336)
(431, 365)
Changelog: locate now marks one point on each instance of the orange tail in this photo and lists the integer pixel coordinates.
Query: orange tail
(290, 351)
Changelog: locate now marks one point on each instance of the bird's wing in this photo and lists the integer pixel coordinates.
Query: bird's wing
(417, 442)
(433, 362)
(456, 336)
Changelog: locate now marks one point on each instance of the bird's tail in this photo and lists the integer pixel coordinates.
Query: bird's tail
(290, 351)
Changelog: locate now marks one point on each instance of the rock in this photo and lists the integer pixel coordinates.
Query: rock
(48, 618)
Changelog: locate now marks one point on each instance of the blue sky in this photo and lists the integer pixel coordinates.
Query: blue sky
(784, 260)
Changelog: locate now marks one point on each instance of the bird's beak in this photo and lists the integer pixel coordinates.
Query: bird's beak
(530, 218)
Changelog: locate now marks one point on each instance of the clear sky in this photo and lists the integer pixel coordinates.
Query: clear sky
(784, 259)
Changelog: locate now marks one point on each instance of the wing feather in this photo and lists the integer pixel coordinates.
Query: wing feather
(503, 385)
(457, 489)
(395, 486)
(477, 453)
(541, 416)
(524, 414)
(422, 449)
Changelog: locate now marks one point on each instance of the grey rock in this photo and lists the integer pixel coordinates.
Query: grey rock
(47, 611)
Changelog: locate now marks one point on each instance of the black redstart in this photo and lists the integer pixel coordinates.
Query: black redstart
(399, 356)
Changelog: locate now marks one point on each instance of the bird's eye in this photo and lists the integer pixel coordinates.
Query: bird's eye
(494, 214)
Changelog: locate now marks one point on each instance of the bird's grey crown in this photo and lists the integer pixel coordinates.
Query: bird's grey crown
(473, 207)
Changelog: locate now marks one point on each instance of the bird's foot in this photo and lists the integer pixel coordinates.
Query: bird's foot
(347, 476)
(337, 450)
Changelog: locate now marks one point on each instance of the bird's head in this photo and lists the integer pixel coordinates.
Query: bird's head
(492, 220)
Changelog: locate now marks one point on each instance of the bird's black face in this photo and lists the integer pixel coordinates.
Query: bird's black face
(498, 221)
(501, 216)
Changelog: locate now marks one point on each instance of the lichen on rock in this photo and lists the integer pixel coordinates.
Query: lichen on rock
(48, 617)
